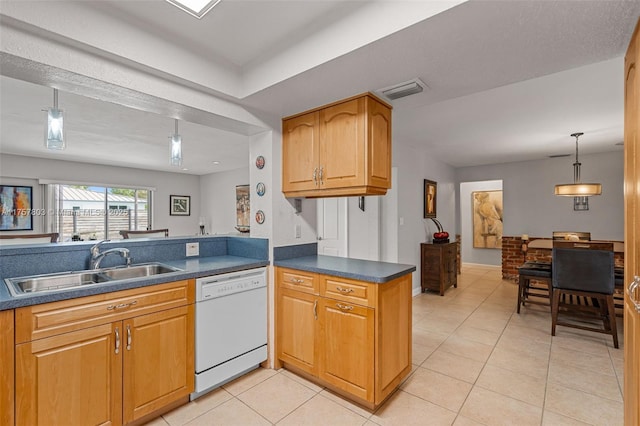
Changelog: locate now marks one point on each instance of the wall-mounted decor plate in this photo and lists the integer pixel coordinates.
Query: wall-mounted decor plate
(260, 162)
(260, 217)
(260, 189)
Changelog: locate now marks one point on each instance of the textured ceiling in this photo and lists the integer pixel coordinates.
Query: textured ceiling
(508, 80)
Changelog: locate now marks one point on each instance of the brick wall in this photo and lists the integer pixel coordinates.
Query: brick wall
(512, 256)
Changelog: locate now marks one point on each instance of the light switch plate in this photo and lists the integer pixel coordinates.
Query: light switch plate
(298, 231)
(193, 249)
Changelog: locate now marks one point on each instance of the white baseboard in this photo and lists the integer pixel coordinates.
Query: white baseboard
(416, 291)
(480, 265)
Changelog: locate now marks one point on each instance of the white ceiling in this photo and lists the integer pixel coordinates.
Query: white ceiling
(508, 80)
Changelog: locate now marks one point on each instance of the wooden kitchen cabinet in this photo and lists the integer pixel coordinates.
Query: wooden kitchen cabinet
(438, 270)
(347, 359)
(342, 149)
(297, 314)
(105, 359)
(159, 363)
(74, 378)
(349, 335)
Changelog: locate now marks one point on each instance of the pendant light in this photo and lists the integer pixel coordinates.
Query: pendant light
(175, 146)
(55, 126)
(577, 188)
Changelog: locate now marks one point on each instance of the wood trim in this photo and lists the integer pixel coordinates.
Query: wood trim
(632, 229)
(337, 192)
(361, 95)
(7, 369)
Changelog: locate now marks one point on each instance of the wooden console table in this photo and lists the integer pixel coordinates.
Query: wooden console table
(438, 266)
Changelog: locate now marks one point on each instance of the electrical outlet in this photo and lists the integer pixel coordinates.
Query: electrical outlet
(193, 249)
(298, 231)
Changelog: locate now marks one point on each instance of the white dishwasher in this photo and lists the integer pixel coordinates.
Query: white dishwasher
(231, 327)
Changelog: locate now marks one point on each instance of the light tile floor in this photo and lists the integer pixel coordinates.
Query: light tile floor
(476, 362)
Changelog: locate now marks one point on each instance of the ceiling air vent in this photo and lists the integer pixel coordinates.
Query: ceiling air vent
(401, 90)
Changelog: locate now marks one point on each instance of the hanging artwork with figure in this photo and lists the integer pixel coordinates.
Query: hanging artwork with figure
(243, 208)
(487, 219)
(430, 193)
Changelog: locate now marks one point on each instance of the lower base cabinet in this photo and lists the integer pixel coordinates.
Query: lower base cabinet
(351, 336)
(111, 373)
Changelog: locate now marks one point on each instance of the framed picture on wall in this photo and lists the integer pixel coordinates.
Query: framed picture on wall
(487, 219)
(430, 193)
(179, 205)
(16, 208)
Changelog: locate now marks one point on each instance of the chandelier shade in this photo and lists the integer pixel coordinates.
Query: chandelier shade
(577, 188)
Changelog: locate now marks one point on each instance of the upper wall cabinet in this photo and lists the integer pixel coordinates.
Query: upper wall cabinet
(342, 149)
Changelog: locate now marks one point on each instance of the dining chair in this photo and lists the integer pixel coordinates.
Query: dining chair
(149, 233)
(534, 284)
(12, 239)
(583, 286)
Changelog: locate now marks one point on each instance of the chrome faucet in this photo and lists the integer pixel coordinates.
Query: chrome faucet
(96, 256)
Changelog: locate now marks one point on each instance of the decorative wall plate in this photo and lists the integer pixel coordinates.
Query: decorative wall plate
(260, 217)
(260, 162)
(260, 189)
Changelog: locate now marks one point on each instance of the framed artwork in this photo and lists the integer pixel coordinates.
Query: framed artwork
(179, 205)
(243, 206)
(487, 219)
(16, 208)
(430, 193)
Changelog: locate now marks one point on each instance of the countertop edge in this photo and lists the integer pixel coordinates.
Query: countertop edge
(357, 269)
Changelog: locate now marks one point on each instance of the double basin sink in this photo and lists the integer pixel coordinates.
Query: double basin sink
(22, 286)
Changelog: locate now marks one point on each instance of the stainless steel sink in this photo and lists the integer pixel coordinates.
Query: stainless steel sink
(40, 283)
(137, 271)
(22, 286)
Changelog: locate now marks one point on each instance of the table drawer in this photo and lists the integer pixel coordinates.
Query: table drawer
(49, 319)
(359, 292)
(306, 282)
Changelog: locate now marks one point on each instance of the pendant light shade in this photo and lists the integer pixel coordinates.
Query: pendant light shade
(54, 139)
(578, 189)
(175, 146)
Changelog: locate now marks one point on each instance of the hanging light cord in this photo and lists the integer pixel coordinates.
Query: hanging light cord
(577, 164)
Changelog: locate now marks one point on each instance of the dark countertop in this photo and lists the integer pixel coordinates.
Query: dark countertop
(191, 268)
(357, 269)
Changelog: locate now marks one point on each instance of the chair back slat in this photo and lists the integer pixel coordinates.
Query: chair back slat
(587, 245)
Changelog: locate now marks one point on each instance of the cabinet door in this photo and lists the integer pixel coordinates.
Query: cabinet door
(297, 329)
(347, 339)
(378, 144)
(342, 145)
(71, 379)
(158, 351)
(300, 151)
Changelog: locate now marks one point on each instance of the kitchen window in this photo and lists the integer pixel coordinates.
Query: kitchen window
(86, 212)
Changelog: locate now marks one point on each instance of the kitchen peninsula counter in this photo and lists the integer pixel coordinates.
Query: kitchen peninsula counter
(356, 269)
(325, 303)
